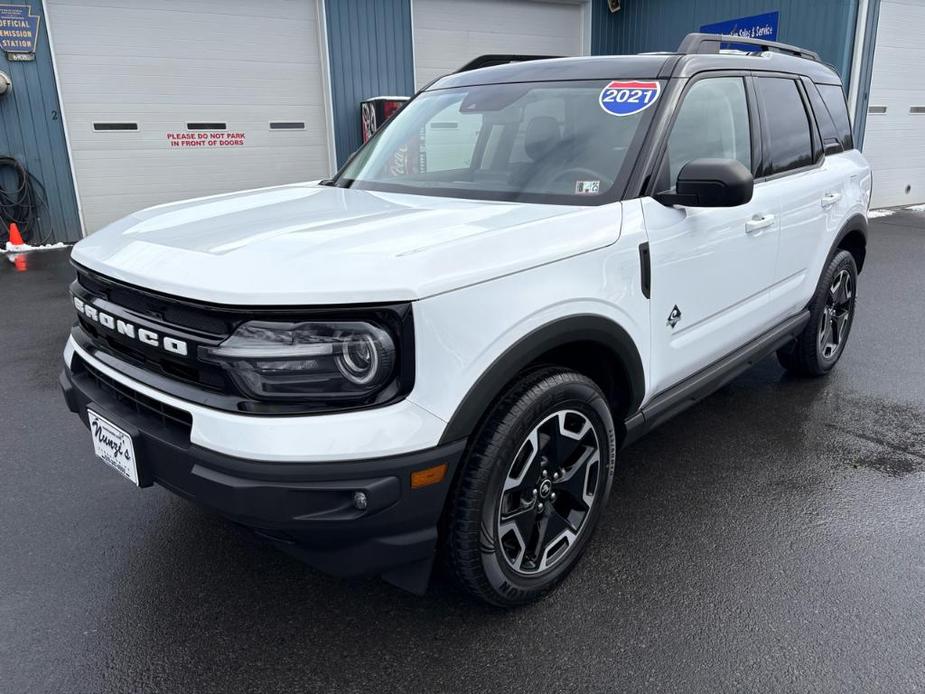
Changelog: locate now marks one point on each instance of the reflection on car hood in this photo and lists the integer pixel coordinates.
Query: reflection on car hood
(311, 244)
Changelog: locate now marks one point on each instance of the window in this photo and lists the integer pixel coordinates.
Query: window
(827, 129)
(712, 123)
(834, 99)
(548, 108)
(449, 140)
(787, 130)
(544, 142)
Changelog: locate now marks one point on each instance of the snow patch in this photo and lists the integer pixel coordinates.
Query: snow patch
(24, 247)
(887, 211)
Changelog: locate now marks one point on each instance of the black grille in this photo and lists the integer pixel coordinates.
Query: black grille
(149, 408)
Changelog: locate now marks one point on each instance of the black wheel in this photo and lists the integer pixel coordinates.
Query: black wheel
(823, 340)
(532, 488)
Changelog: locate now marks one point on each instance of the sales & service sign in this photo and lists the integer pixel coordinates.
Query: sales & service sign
(19, 29)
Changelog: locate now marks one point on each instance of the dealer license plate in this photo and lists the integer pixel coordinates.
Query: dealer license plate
(113, 446)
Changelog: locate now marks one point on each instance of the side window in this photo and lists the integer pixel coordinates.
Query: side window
(834, 98)
(786, 126)
(712, 122)
(827, 128)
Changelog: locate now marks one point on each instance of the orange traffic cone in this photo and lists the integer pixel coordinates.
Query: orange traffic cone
(15, 236)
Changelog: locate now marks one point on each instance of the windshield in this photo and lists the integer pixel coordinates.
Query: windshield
(554, 142)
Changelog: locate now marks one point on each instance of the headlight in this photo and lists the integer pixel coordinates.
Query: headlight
(313, 360)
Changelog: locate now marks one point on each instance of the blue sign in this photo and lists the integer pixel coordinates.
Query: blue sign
(626, 98)
(19, 29)
(759, 26)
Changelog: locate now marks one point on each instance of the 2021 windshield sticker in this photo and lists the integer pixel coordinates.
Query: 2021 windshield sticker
(626, 98)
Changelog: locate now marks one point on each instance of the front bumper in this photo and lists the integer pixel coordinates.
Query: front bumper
(306, 508)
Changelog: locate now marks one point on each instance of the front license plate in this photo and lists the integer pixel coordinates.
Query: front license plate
(113, 446)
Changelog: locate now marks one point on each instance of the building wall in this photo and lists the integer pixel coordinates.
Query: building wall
(825, 26)
(31, 131)
(370, 54)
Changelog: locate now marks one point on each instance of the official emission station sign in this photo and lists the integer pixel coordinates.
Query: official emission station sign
(19, 29)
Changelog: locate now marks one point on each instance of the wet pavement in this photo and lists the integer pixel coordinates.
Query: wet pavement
(771, 538)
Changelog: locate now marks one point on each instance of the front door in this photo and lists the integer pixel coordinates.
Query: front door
(711, 267)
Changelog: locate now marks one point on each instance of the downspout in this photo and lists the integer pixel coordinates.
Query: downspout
(862, 68)
(858, 57)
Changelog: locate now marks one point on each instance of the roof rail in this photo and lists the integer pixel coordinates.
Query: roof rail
(493, 59)
(713, 43)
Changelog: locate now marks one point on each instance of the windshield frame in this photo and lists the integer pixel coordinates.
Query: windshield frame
(615, 193)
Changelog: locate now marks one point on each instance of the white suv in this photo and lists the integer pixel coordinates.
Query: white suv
(440, 350)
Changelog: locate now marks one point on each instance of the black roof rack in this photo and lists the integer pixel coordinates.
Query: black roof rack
(713, 43)
(493, 59)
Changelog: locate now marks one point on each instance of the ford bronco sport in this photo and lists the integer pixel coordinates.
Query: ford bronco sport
(440, 350)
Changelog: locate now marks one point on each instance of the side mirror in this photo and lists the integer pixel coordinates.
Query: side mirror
(711, 183)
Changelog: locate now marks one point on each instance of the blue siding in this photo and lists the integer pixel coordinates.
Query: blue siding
(825, 26)
(31, 131)
(370, 53)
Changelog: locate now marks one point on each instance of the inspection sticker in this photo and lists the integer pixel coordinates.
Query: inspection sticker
(587, 187)
(626, 98)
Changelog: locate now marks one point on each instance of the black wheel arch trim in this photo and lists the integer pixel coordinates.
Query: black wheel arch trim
(579, 328)
(855, 223)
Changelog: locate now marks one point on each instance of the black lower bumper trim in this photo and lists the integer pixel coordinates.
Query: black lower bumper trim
(306, 508)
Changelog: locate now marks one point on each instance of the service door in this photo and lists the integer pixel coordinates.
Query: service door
(166, 101)
(450, 33)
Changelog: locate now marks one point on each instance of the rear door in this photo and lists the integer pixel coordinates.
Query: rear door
(711, 267)
(809, 191)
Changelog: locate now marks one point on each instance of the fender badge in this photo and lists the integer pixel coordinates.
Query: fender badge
(674, 317)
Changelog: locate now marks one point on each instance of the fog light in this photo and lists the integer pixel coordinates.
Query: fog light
(360, 501)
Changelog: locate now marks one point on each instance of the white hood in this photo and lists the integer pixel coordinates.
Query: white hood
(310, 244)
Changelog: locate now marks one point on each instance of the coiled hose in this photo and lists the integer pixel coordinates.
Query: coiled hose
(21, 204)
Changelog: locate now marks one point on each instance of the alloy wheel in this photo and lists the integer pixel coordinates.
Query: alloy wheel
(548, 492)
(836, 316)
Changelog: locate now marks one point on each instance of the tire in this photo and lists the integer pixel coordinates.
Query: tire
(822, 342)
(551, 420)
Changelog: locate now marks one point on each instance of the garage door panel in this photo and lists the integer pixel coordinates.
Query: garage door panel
(219, 9)
(247, 172)
(147, 82)
(900, 69)
(173, 30)
(883, 148)
(890, 187)
(165, 64)
(450, 33)
(896, 19)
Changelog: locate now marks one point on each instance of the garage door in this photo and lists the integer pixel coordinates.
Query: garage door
(894, 141)
(450, 33)
(171, 100)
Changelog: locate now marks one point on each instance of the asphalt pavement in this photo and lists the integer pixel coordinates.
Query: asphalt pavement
(771, 538)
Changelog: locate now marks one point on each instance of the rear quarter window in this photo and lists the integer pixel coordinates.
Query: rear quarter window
(834, 98)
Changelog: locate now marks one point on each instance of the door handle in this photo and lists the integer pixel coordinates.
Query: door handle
(759, 222)
(830, 199)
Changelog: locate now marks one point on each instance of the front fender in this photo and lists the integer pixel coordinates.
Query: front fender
(471, 342)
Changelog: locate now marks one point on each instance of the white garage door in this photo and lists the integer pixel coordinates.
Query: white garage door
(450, 33)
(166, 100)
(894, 141)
